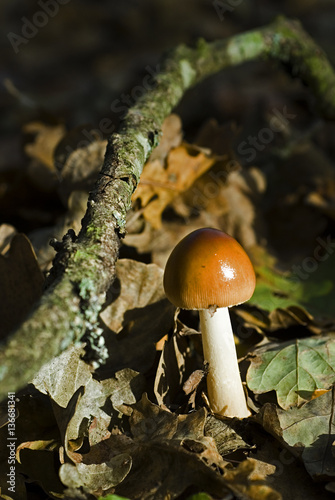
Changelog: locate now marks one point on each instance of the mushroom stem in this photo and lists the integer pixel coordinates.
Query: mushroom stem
(225, 391)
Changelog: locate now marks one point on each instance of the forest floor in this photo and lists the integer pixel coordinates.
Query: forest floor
(247, 152)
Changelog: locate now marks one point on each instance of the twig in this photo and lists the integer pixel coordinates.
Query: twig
(84, 267)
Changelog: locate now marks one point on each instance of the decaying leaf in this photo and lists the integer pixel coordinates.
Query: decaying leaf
(227, 440)
(79, 159)
(35, 445)
(294, 369)
(162, 455)
(138, 316)
(41, 169)
(242, 193)
(242, 485)
(171, 138)
(160, 184)
(125, 389)
(298, 316)
(175, 451)
(97, 477)
(221, 199)
(139, 286)
(159, 242)
(323, 203)
(319, 392)
(290, 205)
(254, 323)
(309, 432)
(192, 385)
(78, 399)
(63, 376)
(218, 137)
(174, 367)
(7, 233)
(20, 283)
(46, 139)
(232, 194)
(75, 421)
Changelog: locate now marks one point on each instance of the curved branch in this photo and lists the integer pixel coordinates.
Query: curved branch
(84, 268)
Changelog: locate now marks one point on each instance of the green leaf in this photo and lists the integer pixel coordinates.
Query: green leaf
(294, 369)
(113, 497)
(307, 284)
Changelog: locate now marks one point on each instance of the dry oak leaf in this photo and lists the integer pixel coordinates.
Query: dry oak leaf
(174, 367)
(247, 485)
(162, 455)
(226, 438)
(78, 399)
(138, 285)
(7, 233)
(36, 445)
(96, 477)
(160, 184)
(171, 137)
(169, 453)
(138, 315)
(41, 170)
(80, 168)
(46, 139)
(233, 195)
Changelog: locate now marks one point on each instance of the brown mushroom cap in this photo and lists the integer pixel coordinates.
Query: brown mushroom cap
(208, 268)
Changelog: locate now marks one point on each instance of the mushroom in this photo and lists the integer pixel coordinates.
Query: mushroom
(209, 271)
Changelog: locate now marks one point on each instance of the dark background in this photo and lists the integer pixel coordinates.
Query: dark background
(92, 53)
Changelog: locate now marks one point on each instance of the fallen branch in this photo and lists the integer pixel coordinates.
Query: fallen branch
(84, 267)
